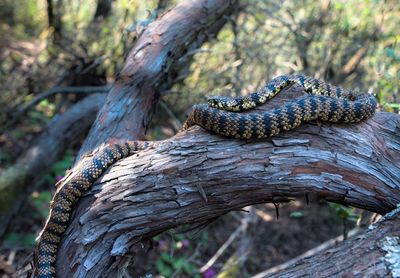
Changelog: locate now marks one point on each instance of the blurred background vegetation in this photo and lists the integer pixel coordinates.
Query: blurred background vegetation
(53, 44)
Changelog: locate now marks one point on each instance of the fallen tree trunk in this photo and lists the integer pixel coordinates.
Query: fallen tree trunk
(60, 133)
(158, 188)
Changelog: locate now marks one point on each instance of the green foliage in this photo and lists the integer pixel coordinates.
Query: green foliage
(11, 181)
(20, 240)
(166, 265)
(60, 167)
(43, 113)
(344, 213)
(26, 17)
(268, 38)
(296, 214)
(273, 37)
(175, 253)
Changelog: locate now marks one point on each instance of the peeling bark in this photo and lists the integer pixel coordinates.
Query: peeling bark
(157, 189)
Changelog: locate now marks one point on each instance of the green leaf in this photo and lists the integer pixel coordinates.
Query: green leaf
(165, 257)
(189, 268)
(390, 52)
(394, 105)
(296, 214)
(179, 237)
(178, 263)
(163, 268)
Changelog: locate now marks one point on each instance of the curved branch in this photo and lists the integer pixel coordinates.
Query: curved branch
(158, 188)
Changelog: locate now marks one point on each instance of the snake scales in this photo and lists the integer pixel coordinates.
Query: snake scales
(326, 102)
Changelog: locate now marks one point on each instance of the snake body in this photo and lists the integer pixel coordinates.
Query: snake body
(65, 198)
(325, 102)
(273, 87)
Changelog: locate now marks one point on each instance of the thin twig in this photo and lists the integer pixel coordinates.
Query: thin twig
(56, 90)
(328, 244)
(176, 123)
(239, 230)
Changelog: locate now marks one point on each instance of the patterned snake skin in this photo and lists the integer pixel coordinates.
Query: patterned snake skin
(327, 103)
(67, 195)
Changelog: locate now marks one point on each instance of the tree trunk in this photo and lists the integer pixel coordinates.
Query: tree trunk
(54, 18)
(158, 188)
(151, 66)
(195, 176)
(103, 9)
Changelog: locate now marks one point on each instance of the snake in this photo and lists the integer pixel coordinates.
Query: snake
(221, 115)
(323, 102)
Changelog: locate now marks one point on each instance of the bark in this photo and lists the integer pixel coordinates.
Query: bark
(43, 152)
(150, 68)
(103, 9)
(155, 69)
(54, 17)
(158, 188)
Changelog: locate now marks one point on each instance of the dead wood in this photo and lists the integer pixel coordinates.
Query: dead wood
(158, 188)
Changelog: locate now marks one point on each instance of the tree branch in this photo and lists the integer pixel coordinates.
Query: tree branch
(351, 66)
(157, 189)
(151, 66)
(57, 89)
(61, 132)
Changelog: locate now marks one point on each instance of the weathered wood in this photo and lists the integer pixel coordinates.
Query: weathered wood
(157, 189)
(151, 66)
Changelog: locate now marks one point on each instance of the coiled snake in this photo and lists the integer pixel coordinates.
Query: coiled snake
(325, 102)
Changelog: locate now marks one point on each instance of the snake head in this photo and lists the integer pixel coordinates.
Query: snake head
(222, 102)
(213, 101)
